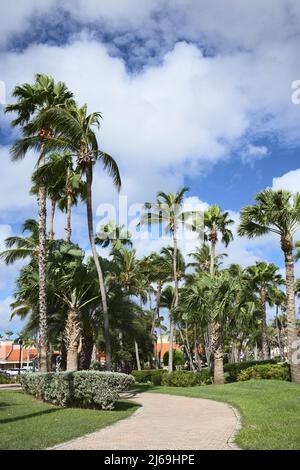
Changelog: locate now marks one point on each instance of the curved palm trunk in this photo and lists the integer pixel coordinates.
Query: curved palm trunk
(72, 339)
(108, 353)
(51, 221)
(175, 301)
(137, 355)
(69, 212)
(43, 321)
(264, 333)
(291, 317)
(158, 297)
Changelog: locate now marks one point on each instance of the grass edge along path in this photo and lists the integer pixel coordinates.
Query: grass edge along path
(27, 423)
(270, 410)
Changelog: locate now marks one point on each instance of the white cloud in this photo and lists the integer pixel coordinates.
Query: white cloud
(254, 152)
(6, 323)
(289, 181)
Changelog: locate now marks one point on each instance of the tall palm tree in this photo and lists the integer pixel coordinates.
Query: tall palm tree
(31, 101)
(216, 223)
(278, 212)
(130, 277)
(64, 186)
(264, 279)
(168, 210)
(73, 130)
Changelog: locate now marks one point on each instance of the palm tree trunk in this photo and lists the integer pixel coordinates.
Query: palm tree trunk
(85, 356)
(156, 317)
(264, 333)
(51, 222)
(72, 339)
(218, 354)
(69, 211)
(137, 355)
(293, 351)
(43, 323)
(212, 257)
(175, 300)
(170, 362)
(108, 353)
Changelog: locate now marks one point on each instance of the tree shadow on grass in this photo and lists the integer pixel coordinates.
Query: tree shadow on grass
(32, 415)
(125, 405)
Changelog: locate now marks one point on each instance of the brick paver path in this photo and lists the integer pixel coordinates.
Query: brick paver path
(165, 422)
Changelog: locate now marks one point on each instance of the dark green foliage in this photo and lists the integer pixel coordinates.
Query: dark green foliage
(148, 376)
(85, 389)
(180, 378)
(178, 358)
(233, 370)
(266, 371)
(204, 377)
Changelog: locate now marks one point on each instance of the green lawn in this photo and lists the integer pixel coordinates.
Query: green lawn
(26, 423)
(270, 410)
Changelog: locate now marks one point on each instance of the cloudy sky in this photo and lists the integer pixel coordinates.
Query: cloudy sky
(192, 93)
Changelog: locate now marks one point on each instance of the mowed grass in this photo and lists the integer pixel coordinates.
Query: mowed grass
(26, 423)
(270, 410)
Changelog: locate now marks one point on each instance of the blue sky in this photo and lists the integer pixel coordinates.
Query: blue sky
(192, 93)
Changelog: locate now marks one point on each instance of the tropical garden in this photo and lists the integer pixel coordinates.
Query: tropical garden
(122, 305)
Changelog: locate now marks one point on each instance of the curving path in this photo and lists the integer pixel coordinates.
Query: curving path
(166, 422)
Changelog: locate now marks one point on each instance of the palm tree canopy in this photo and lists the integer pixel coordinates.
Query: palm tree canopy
(216, 221)
(72, 130)
(22, 247)
(274, 211)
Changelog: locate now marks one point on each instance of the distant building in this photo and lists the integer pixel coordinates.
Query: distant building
(10, 355)
(162, 346)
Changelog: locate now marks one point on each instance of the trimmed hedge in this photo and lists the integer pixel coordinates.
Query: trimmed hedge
(180, 378)
(153, 376)
(232, 370)
(178, 358)
(266, 371)
(84, 388)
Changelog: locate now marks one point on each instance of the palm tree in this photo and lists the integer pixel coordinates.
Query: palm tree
(32, 101)
(213, 300)
(22, 247)
(216, 222)
(73, 131)
(130, 277)
(278, 212)
(168, 210)
(64, 186)
(202, 259)
(113, 235)
(264, 279)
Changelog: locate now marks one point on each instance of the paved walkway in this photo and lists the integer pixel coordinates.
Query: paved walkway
(166, 422)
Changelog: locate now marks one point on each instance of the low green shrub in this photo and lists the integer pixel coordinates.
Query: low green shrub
(265, 371)
(204, 377)
(153, 376)
(5, 380)
(180, 378)
(84, 388)
(232, 370)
